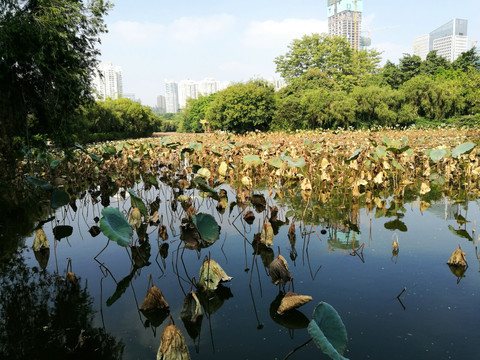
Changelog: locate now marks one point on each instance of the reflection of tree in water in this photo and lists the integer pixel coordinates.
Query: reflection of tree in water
(42, 316)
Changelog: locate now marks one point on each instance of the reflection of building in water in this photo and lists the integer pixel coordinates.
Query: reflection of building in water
(445, 209)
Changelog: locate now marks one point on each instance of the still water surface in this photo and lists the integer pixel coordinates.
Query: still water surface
(436, 317)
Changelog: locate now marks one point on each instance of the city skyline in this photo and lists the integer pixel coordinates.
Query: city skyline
(228, 41)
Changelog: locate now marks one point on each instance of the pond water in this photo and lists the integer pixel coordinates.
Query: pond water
(401, 305)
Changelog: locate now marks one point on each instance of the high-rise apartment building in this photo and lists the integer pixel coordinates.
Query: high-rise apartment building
(345, 20)
(161, 104)
(108, 81)
(208, 86)
(171, 96)
(187, 89)
(449, 40)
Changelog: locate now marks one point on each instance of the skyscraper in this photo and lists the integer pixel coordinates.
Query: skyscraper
(449, 40)
(108, 81)
(187, 89)
(208, 86)
(171, 96)
(345, 20)
(161, 104)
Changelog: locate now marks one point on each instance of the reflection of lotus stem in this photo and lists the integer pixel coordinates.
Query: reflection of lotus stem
(298, 347)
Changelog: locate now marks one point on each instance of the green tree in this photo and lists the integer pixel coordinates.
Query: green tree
(434, 63)
(243, 107)
(468, 59)
(195, 111)
(409, 66)
(48, 52)
(331, 55)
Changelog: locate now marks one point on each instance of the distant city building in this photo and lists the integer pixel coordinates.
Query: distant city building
(208, 86)
(161, 104)
(421, 46)
(108, 81)
(449, 40)
(345, 20)
(132, 97)
(171, 96)
(187, 89)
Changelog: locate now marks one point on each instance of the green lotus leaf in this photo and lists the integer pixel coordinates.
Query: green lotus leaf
(59, 198)
(122, 286)
(438, 154)
(252, 160)
(95, 158)
(115, 226)
(460, 233)
(195, 146)
(55, 163)
(137, 202)
(207, 226)
(276, 162)
(299, 163)
(461, 149)
(328, 331)
(355, 155)
(39, 183)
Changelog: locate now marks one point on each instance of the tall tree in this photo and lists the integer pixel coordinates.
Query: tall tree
(468, 59)
(243, 107)
(48, 52)
(331, 55)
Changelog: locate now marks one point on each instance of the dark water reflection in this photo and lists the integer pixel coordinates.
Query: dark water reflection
(436, 317)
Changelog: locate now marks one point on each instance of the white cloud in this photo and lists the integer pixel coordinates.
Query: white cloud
(192, 29)
(278, 34)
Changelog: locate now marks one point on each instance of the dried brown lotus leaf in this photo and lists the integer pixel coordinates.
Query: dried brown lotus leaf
(424, 205)
(154, 219)
(247, 182)
(379, 178)
(191, 309)
(266, 236)
(292, 301)
(222, 169)
(424, 188)
(249, 217)
(211, 274)
(306, 185)
(172, 345)
(154, 300)
(162, 232)
(278, 270)
(458, 258)
(40, 242)
(135, 219)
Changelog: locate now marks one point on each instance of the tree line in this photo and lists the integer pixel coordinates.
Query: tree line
(329, 85)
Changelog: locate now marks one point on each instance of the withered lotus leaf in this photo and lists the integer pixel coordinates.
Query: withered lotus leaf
(135, 219)
(278, 269)
(172, 345)
(292, 301)
(424, 188)
(40, 241)
(191, 310)
(222, 169)
(154, 300)
(266, 236)
(247, 182)
(306, 185)
(162, 232)
(458, 258)
(211, 274)
(154, 219)
(249, 217)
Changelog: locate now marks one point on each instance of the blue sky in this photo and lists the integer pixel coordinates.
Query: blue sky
(233, 40)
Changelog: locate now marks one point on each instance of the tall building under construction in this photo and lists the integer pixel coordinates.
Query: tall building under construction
(345, 19)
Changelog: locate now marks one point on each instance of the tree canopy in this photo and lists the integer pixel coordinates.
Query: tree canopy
(48, 52)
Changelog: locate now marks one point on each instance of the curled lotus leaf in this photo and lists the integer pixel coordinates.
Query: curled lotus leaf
(191, 310)
(211, 274)
(154, 300)
(40, 241)
(62, 231)
(458, 258)
(114, 226)
(205, 173)
(424, 188)
(266, 236)
(172, 345)
(247, 182)
(222, 169)
(135, 219)
(328, 331)
(278, 270)
(292, 301)
(306, 185)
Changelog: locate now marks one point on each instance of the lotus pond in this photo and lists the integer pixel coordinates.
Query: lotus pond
(226, 229)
